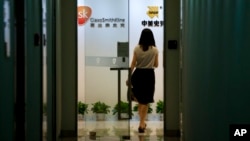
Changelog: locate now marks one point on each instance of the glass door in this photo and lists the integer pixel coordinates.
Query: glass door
(103, 64)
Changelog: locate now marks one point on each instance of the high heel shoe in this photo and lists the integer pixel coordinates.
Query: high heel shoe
(141, 130)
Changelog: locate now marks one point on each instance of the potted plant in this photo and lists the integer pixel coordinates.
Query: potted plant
(82, 109)
(100, 108)
(124, 109)
(150, 109)
(160, 108)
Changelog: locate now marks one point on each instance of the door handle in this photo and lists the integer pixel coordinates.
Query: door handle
(37, 39)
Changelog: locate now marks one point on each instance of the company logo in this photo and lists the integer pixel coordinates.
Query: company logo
(84, 13)
(153, 11)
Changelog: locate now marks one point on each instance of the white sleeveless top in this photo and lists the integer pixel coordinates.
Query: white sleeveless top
(145, 59)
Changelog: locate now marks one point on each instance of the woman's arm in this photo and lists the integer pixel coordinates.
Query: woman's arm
(132, 66)
(133, 63)
(156, 61)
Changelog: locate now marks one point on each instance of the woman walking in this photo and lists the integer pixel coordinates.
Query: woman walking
(145, 60)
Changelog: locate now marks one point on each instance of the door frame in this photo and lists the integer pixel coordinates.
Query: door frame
(7, 74)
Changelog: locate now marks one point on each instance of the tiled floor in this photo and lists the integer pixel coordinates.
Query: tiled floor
(140, 138)
(118, 128)
(118, 131)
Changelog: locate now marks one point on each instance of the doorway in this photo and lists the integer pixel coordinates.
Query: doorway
(107, 34)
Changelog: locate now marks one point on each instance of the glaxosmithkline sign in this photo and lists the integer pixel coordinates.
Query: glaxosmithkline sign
(83, 14)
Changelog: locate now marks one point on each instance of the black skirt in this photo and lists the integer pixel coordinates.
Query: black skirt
(143, 85)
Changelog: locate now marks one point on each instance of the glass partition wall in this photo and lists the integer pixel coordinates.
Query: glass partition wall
(107, 34)
(103, 63)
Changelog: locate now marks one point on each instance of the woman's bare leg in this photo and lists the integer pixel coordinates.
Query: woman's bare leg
(143, 110)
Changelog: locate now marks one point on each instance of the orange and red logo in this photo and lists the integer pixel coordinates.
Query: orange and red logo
(84, 13)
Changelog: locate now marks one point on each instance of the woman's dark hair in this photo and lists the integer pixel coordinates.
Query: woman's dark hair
(146, 39)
